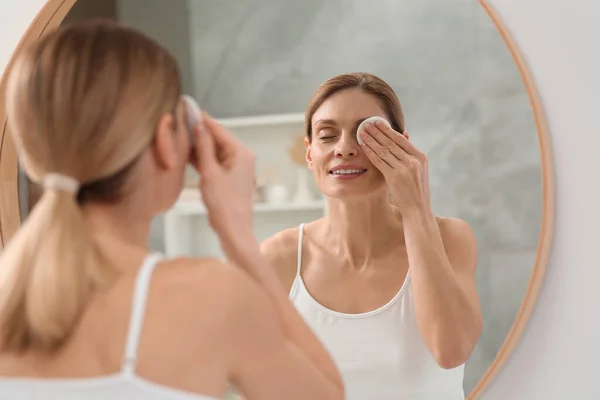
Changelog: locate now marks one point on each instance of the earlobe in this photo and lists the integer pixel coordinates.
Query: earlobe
(405, 134)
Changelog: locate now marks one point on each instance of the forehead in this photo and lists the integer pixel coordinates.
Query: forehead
(349, 105)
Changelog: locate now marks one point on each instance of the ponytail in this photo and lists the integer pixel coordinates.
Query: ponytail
(70, 114)
(47, 273)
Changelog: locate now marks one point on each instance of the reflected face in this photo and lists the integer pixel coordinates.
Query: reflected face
(340, 167)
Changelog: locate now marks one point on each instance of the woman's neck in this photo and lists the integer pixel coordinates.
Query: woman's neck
(121, 233)
(362, 230)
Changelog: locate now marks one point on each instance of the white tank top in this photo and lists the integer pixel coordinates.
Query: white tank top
(124, 385)
(380, 353)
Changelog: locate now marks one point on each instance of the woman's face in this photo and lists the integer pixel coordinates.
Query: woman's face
(340, 167)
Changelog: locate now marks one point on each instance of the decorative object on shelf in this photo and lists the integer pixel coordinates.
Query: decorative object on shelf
(297, 153)
(276, 194)
(274, 191)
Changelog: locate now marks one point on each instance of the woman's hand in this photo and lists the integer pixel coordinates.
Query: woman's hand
(403, 166)
(226, 171)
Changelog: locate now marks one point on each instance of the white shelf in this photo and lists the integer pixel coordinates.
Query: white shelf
(197, 208)
(187, 232)
(263, 121)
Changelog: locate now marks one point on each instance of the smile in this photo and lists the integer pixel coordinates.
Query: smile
(347, 173)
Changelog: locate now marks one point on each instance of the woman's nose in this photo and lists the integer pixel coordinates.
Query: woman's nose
(347, 146)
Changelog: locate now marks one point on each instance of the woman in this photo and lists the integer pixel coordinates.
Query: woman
(86, 311)
(386, 285)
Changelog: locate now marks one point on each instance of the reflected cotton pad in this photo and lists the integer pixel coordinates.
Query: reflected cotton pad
(366, 121)
(194, 115)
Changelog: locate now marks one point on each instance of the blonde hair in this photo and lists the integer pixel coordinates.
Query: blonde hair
(83, 102)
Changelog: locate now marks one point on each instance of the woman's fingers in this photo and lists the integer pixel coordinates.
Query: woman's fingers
(205, 151)
(380, 156)
(222, 136)
(383, 140)
(397, 138)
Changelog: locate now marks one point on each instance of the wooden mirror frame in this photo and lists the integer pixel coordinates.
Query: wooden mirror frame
(51, 16)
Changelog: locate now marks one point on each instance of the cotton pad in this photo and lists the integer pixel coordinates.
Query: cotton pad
(193, 113)
(366, 121)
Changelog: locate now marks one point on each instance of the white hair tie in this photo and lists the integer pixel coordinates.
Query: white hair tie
(61, 182)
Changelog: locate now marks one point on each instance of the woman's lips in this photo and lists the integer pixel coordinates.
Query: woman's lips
(347, 173)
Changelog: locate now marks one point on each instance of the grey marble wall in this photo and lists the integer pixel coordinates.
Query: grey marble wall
(464, 101)
(168, 22)
(465, 106)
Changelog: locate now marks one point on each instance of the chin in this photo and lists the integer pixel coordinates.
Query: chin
(351, 192)
(344, 194)
(353, 189)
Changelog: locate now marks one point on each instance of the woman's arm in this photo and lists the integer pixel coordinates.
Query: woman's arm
(264, 363)
(442, 255)
(243, 250)
(227, 174)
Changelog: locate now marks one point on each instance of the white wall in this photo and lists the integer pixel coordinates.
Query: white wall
(558, 355)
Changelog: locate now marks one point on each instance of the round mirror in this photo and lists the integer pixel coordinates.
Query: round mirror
(468, 101)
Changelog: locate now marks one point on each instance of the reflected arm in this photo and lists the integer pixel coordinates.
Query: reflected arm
(442, 255)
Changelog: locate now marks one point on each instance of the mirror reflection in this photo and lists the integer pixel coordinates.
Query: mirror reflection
(392, 251)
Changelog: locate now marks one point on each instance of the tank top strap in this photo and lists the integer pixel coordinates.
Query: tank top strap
(299, 262)
(138, 309)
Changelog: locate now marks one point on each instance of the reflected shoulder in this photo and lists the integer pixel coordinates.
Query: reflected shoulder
(281, 250)
(459, 240)
(452, 226)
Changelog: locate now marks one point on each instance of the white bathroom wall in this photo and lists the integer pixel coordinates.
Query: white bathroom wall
(557, 357)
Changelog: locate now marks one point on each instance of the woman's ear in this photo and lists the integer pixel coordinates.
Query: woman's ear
(308, 155)
(164, 146)
(405, 134)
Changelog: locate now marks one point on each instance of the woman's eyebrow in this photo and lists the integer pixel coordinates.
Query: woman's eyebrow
(326, 121)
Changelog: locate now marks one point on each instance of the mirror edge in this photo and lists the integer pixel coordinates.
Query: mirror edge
(54, 11)
(48, 18)
(548, 206)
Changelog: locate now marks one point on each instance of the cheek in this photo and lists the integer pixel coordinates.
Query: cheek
(318, 154)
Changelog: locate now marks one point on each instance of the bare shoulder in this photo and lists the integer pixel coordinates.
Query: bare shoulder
(193, 272)
(281, 252)
(213, 308)
(454, 227)
(459, 241)
(205, 290)
(201, 277)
